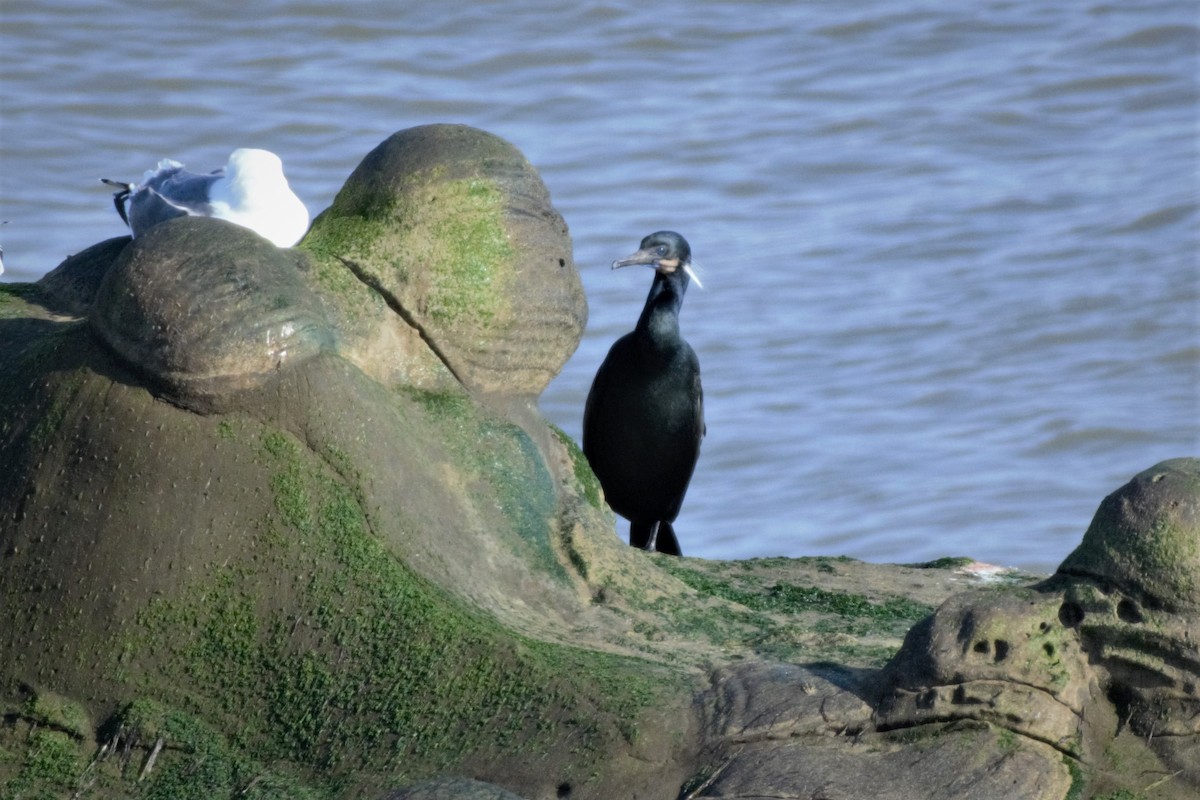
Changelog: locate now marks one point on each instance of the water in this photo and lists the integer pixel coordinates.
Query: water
(949, 251)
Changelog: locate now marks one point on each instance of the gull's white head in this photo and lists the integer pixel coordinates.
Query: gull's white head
(255, 194)
(250, 164)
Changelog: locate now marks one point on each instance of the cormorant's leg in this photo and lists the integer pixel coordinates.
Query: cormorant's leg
(666, 541)
(641, 534)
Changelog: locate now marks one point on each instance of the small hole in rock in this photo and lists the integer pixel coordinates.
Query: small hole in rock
(1128, 611)
(982, 646)
(564, 789)
(1049, 648)
(1001, 649)
(1070, 614)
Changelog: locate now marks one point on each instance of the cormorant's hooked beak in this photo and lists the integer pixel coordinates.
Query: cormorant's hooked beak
(649, 258)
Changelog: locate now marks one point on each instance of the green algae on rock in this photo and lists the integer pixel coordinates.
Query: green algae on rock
(1107, 644)
(456, 229)
(287, 616)
(359, 579)
(332, 575)
(1145, 538)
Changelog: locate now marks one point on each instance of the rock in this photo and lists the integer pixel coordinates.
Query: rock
(204, 308)
(368, 561)
(1108, 642)
(757, 702)
(440, 264)
(73, 283)
(1005, 660)
(968, 763)
(1145, 539)
(452, 789)
(790, 731)
(1131, 591)
(359, 579)
(454, 228)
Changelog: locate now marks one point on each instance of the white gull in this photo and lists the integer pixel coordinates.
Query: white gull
(250, 191)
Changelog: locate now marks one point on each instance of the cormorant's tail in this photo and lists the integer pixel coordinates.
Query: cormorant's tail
(666, 542)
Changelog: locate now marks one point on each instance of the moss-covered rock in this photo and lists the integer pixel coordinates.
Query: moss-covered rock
(1107, 645)
(355, 578)
(1006, 660)
(367, 566)
(455, 229)
(1145, 538)
(314, 599)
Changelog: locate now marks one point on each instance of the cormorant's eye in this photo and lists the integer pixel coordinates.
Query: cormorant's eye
(661, 250)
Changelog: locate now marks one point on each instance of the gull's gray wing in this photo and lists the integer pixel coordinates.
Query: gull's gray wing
(172, 192)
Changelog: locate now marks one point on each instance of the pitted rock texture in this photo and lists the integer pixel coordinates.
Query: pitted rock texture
(1145, 538)
(1006, 660)
(1132, 592)
(1107, 645)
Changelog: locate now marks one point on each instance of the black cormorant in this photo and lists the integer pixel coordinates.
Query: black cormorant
(644, 417)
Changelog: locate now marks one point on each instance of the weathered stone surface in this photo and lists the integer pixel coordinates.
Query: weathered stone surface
(73, 284)
(374, 564)
(965, 764)
(1005, 659)
(1131, 591)
(308, 573)
(778, 730)
(1107, 644)
(204, 308)
(759, 702)
(455, 229)
(1145, 538)
(453, 789)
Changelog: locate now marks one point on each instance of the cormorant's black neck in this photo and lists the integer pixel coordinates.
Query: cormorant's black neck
(660, 318)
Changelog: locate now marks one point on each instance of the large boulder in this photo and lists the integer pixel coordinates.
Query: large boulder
(1145, 540)
(325, 551)
(454, 229)
(286, 523)
(1101, 662)
(204, 308)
